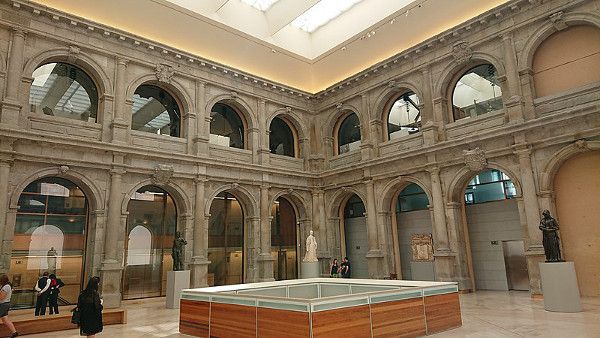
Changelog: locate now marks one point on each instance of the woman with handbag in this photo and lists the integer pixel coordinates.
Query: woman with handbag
(89, 306)
(5, 294)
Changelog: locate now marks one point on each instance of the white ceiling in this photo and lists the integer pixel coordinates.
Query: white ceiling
(265, 44)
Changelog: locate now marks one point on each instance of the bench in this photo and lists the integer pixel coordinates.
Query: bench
(29, 324)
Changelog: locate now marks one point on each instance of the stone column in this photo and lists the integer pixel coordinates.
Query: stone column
(428, 125)
(253, 143)
(440, 117)
(530, 199)
(375, 255)
(202, 134)
(440, 232)
(200, 260)
(324, 251)
(264, 131)
(11, 107)
(120, 124)
(265, 259)
(460, 246)
(512, 99)
(111, 265)
(5, 164)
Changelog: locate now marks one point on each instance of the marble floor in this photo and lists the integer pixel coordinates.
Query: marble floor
(486, 314)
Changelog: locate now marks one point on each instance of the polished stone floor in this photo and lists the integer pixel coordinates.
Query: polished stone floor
(486, 314)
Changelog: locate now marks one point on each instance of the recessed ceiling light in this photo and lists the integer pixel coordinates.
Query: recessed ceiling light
(322, 13)
(263, 5)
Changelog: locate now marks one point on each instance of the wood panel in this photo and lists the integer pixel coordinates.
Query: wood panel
(442, 312)
(282, 323)
(52, 323)
(194, 318)
(353, 322)
(404, 318)
(228, 320)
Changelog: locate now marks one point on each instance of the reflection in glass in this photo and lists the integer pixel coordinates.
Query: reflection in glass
(477, 92)
(283, 240)
(226, 127)
(412, 198)
(49, 236)
(490, 185)
(61, 89)
(349, 134)
(404, 117)
(151, 226)
(225, 241)
(281, 138)
(155, 111)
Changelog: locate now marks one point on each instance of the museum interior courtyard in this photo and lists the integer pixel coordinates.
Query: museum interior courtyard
(309, 168)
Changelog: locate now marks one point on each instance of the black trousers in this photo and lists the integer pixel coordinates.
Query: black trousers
(40, 304)
(53, 302)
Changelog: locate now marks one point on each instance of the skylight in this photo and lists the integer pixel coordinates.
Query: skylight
(263, 5)
(321, 13)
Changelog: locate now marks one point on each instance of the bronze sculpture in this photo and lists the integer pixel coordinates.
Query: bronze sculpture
(551, 241)
(177, 251)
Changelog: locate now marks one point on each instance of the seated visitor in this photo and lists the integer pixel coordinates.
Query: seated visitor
(345, 268)
(334, 268)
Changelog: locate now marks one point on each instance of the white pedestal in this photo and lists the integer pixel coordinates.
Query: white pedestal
(176, 281)
(310, 270)
(559, 286)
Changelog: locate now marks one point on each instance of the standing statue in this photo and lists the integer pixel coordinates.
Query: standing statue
(549, 228)
(51, 259)
(311, 249)
(177, 251)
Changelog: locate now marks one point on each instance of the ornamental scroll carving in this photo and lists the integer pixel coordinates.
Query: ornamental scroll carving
(164, 73)
(558, 21)
(162, 174)
(475, 159)
(422, 247)
(462, 52)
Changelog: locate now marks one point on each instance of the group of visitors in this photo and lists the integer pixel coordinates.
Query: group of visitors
(47, 289)
(340, 270)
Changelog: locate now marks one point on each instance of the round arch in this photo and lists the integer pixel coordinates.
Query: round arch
(82, 61)
(182, 202)
(247, 202)
(456, 188)
(174, 88)
(391, 190)
(296, 200)
(292, 118)
(387, 94)
(239, 104)
(547, 29)
(293, 125)
(339, 113)
(340, 197)
(560, 157)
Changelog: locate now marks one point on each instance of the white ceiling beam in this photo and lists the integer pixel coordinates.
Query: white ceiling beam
(219, 4)
(283, 12)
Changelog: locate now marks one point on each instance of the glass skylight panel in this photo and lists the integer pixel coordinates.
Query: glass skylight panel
(322, 13)
(263, 5)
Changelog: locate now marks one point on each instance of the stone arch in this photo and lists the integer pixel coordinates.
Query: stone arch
(340, 197)
(246, 112)
(548, 28)
(382, 100)
(82, 60)
(174, 88)
(92, 193)
(454, 70)
(290, 116)
(560, 157)
(243, 195)
(297, 201)
(182, 201)
(391, 190)
(335, 117)
(457, 186)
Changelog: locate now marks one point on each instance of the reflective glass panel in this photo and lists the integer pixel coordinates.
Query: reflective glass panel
(49, 236)
(412, 198)
(354, 207)
(61, 89)
(349, 134)
(225, 241)
(490, 185)
(155, 111)
(281, 138)
(404, 117)
(226, 127)
(151, 226)
(477, 92)
(284, 240)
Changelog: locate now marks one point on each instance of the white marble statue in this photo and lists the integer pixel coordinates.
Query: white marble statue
(311, 249)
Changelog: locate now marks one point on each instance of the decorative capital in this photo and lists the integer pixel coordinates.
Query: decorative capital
(162, 174)
(164, 73)
(462, 52)
(558, 21)
(475, 159)
(73, 54)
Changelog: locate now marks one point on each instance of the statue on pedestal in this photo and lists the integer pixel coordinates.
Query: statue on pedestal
(177, 251)
(51, 259)
(311, 249)
(551, 242)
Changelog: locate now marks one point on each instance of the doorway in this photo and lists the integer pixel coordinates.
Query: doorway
(284, 234)
(355, 237)
(516, 265)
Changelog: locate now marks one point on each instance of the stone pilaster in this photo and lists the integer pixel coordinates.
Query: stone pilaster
(374, 255)
(200, 262)
(440, 232)
(513, 100)
(462, 271)
(202, 135)
(265, 259)
(5, 164)
(121, 118)
(11, 107)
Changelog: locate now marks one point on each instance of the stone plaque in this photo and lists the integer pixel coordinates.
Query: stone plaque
(422, 247)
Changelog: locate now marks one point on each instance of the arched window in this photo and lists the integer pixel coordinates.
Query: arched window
(281, 138)
(490, 185)
(404, 116)
(61, 89)
(412, 198)
(155, 111)
(477, 92)
(226, 127)
(349, 134)
(284, 240)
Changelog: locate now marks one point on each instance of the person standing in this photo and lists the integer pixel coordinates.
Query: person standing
(55, 285)
(90, 308)
(42, 286)
(5, 294)
(345, 268)
(334, 269)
